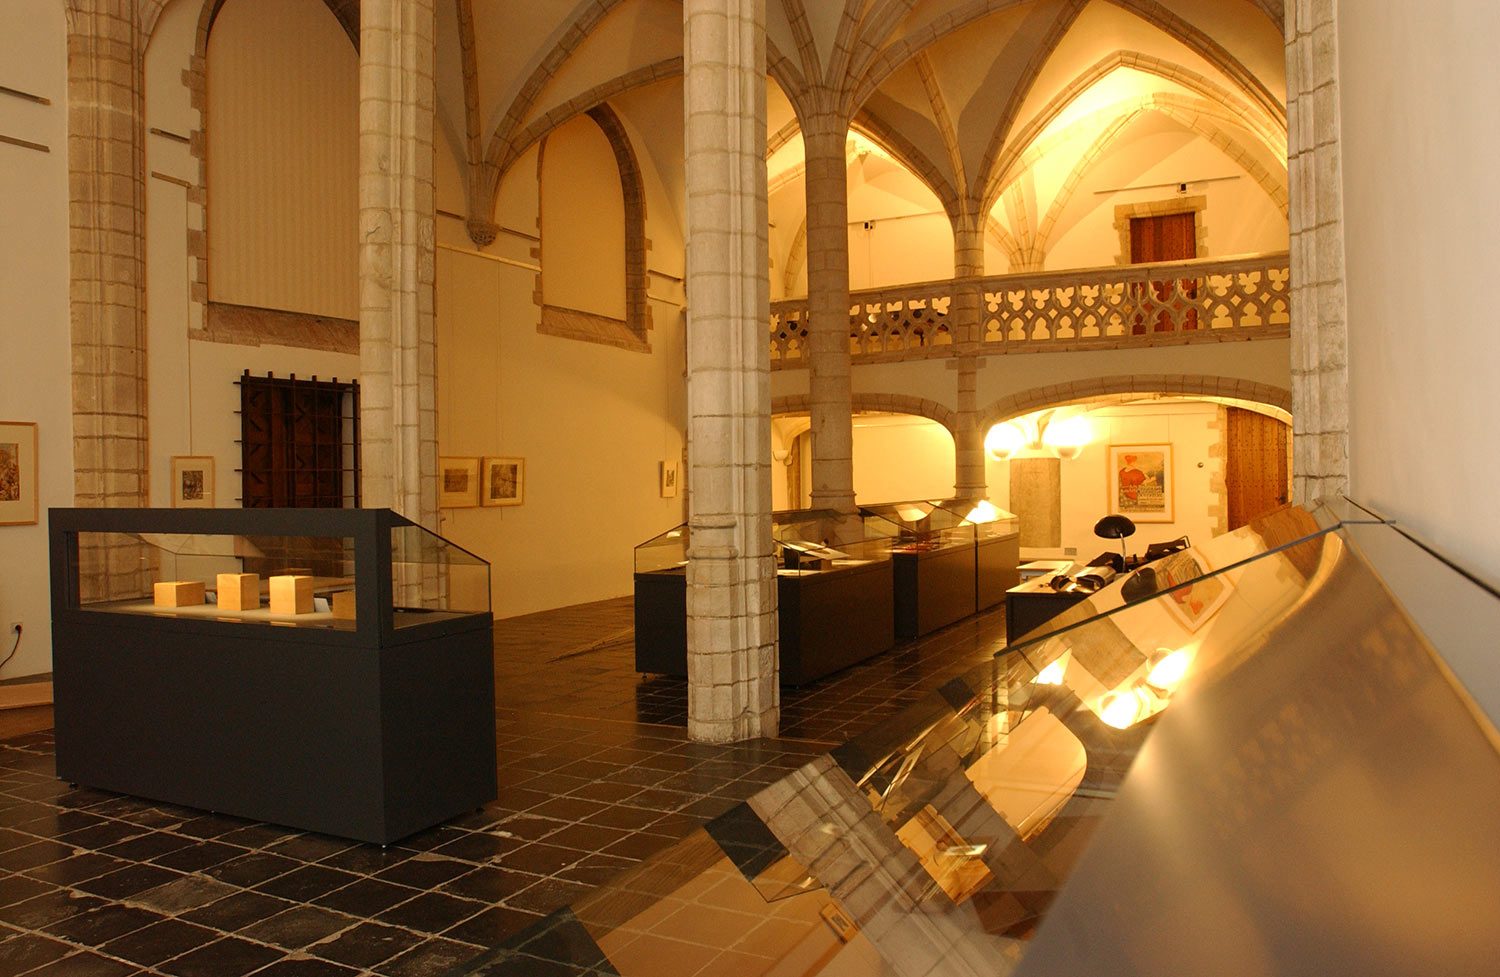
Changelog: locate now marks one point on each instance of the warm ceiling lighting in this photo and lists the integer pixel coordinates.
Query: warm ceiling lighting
(1066, 438)
(1124, 709)
(1052, 674)
(1063, 438)
(1003, 441)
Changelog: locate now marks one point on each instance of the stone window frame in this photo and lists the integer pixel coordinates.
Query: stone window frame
(632, 332)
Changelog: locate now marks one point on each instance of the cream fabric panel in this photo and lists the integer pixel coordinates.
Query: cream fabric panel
(583, 222)
(283, 159)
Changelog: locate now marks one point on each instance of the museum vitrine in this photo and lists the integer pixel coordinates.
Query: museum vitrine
(1279, 757)
(832, 608)
(949, 559)
(330, 669)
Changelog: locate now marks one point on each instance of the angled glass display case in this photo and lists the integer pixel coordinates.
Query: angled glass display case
(329, 669)
(833, 593)
(1275, 754)
(950, 559)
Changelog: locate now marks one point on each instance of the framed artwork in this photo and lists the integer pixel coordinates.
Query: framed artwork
(669, 479)
(18, 505)
(504, 481)
(1200, 599)
(458, 483)
(1141, 482)
(192, 482)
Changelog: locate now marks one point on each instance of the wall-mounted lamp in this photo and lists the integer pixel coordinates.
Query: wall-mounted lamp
(1064, 438)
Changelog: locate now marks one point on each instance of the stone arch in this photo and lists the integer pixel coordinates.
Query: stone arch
(999, 168)
(633, 188)
(1058, 395)
(887, 403)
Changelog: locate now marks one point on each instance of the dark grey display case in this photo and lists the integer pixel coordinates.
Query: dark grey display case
(369, 728)
(834, 610)
(949, 560)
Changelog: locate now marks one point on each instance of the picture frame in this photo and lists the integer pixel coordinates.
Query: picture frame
(18, 473)
(1200, 595)
(1141, 482)
(458, 483)
(504, 481)
(192, 482)
(669, 479)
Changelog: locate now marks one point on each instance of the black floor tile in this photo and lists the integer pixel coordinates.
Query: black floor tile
(237, 911)
(366, 944)
(306, 883)
(228, 957)
(367, 897)
(159, 941)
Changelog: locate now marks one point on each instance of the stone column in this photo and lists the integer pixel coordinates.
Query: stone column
(1320, 328)
(967, 315)
(731, 599)
(106, 168)
(825, 136)
(397, 348)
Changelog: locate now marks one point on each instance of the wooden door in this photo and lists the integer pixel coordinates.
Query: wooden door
(1168, 237)
(1255, 470)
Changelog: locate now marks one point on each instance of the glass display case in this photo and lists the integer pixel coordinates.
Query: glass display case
(828, 577)
(291, 665)
(1277, 754)
(946, 564)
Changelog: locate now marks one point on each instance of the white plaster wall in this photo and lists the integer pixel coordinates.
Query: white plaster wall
(1421, 149)
(901, 458)
(1191, 430)
(592, 422)
(34, 316)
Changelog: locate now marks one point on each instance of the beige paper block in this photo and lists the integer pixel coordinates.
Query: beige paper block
(291, 594)
(177, 593)
(239, 591)
(343, 605)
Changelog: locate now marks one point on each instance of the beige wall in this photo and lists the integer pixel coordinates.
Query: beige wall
(583, 222)
(1421, 149)
(901, 457)
(34, 337)
(283, 158)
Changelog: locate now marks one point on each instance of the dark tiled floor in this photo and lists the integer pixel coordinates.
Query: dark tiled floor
(596, 774)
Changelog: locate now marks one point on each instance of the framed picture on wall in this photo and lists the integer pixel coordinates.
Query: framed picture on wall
(504, 481)
(18, 505)
(1141, 482)
(669, 479)
(192, 482)
(458, 483)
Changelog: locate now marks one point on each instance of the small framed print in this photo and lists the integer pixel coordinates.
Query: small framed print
(192, 482)
(669, 479)
(458, 483)
(504, 481)
(1141, 482)
(18, 483)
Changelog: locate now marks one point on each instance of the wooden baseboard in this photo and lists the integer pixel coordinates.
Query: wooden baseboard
(23, 695)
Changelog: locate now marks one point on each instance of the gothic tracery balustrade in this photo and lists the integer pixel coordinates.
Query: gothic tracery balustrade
(1166, 303)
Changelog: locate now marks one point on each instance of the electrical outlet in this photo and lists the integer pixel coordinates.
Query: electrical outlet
(13, 628)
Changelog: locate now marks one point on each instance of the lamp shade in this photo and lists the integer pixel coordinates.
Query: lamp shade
(1114, 527)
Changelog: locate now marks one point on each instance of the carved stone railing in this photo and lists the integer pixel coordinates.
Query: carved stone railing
(1166, 303)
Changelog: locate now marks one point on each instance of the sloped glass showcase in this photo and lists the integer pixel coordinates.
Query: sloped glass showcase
(1275, 754)
(329, 669)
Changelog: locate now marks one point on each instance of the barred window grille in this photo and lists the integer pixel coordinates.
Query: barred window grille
(299, 442)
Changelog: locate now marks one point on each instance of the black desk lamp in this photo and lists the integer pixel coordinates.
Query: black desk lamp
(1115, 527)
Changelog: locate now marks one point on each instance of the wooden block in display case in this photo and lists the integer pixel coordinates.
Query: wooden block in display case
(239, 591)
(177, 593)
(291, 594)
(343, 605)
